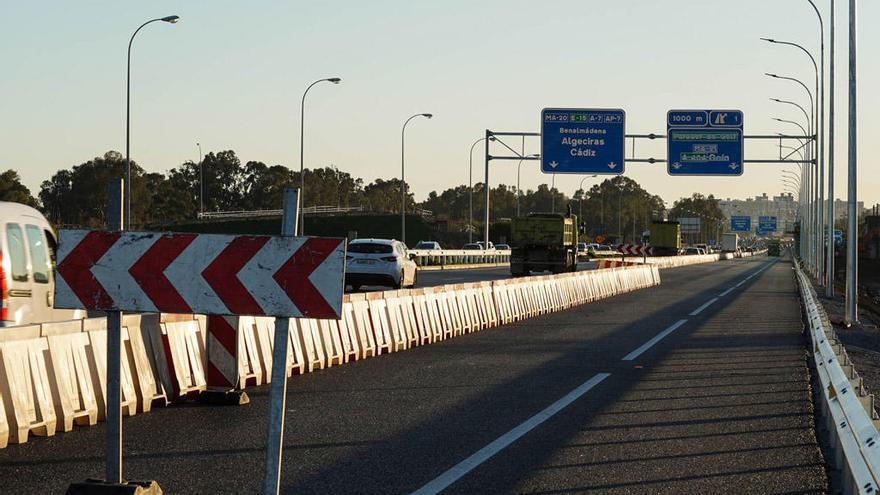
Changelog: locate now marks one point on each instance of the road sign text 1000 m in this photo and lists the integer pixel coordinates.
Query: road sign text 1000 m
(578, 141)
(704, 142)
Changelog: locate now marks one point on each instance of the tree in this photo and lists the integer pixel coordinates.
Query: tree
(619, 209)
(707, 209)
(384, 196)
(11, 189)
(78, 197)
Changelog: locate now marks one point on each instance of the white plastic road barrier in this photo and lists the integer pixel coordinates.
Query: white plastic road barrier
(458, 258)
(846, 410)
(70, 371)
(182, 355)
(128, 395)
(55, 372)
(26, 390)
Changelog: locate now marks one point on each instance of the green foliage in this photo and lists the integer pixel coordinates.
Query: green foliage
(11, 189)
(707, 209)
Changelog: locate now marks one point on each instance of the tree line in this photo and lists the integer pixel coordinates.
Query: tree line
(616, 208)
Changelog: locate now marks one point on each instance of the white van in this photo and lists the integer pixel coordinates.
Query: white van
(27, 262)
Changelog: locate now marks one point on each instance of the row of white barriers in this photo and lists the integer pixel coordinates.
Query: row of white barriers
(845, 407)
(664, 262)
(52, 376)
(449, 258)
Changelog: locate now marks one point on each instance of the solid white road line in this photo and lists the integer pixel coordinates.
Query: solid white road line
(649, 344)
(455, 473)
(704, 306)
(728, 291)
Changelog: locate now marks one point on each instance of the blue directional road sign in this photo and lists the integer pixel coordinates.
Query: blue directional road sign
(766, 225)
(704, 142)
(740, 224)
(582, 141)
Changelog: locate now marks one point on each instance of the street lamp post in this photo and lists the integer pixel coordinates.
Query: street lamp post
(471, 189)
(581, 200)
(814, 262)
(172, 19)
(518, 168)
(820, 117)
(302, 140)
(201, 180)
(852, 221)
(402, 175)
(810, 231)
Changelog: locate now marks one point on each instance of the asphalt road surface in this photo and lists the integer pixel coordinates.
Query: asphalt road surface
(430, 278)
(699, 385)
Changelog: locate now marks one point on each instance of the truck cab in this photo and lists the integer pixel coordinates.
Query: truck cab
(542, 242)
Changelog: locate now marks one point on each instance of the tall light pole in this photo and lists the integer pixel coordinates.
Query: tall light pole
(852, 221)
(471, 188)
(172, 19)
(829, 287)
(201, 180)
(403, 174)
(802, 207)
(816, 241)
(820, 117)
(810, 231)
(518, 168)
(302, 139)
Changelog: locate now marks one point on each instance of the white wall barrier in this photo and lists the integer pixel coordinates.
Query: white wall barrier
(53, 376)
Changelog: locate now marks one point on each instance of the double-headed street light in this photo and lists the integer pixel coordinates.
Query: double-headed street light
(518, 168)
(471, 188)
(302, 134)
(403, 174)
(171, 19)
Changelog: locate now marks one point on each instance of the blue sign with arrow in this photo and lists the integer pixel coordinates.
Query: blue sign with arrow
(740, 224)
(704, 142)
(766, 225)
(582, 141)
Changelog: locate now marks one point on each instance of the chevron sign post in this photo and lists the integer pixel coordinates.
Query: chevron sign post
(200, 273)
(635, 250)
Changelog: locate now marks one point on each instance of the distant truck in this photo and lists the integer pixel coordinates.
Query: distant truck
(774, 248)
(665, 238)
(730, 243)
(543, 241)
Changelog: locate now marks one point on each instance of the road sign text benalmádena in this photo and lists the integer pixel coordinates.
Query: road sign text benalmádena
(582, 141)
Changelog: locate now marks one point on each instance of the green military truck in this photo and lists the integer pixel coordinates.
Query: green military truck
(665, 238)
(543, 241)
(774, 248)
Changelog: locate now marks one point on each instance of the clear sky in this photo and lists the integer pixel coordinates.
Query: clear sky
(230, 75)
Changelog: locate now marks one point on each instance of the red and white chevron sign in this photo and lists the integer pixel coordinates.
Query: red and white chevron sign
(635, 250)
(200, 273)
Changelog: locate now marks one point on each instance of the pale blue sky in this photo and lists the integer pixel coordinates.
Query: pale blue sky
(230, 75)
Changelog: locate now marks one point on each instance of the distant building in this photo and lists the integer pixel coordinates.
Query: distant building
(783, 207)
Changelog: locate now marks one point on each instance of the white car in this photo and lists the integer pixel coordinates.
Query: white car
(379, 262)
(27, 254)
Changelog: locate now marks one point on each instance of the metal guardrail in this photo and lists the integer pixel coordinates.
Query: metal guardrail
(451, 257)
(309, 210)
(845, 407)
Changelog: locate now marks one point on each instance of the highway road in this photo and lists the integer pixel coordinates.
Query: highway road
(430, 278)
(699, 385)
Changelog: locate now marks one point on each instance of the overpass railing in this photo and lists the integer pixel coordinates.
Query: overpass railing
(442, 258)
(845, 407)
